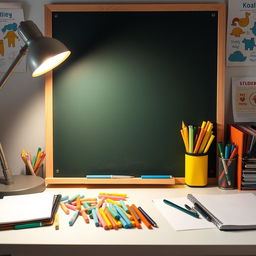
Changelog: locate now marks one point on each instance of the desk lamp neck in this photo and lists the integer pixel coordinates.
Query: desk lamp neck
(22, 52)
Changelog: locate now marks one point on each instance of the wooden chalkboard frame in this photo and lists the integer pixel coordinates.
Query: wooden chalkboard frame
(220, 112)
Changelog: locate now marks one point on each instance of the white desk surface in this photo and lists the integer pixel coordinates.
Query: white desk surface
(161, 241)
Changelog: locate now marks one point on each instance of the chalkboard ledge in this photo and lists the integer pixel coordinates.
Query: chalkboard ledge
(132, 181)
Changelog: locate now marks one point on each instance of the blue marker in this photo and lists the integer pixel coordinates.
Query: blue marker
(124, 223)
(156, 176)
(64, 198)
(73, 198)
(74, 217)
(113, 212)
(124, 206)
(95, 218)
(123, 216)
(227, 151)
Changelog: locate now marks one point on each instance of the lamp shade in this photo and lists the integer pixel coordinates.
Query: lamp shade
(44, 53)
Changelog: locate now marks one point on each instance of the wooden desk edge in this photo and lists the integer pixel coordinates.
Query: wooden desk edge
(133, 181)
(109, 181)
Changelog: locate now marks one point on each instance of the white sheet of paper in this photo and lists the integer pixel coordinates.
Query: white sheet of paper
(178, 219)
(26, 207)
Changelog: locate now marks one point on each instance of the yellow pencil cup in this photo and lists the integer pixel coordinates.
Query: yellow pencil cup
(196, 169)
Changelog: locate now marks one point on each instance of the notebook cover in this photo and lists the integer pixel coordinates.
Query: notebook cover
(237, 137)
(47, 222)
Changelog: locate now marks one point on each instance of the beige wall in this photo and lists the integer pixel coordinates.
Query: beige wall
(22, 99)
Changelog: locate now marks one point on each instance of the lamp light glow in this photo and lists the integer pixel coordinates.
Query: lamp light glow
(51, 63)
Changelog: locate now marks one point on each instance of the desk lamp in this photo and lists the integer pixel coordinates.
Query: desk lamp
(43, 54)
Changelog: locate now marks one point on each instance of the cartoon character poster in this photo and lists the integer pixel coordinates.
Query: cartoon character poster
(244, 99)
(241, 33)
(11, 14)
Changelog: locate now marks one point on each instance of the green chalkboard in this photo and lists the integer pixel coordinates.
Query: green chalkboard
(133, 76)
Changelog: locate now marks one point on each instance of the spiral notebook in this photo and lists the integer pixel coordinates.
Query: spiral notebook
(228, 211)
(28, 208)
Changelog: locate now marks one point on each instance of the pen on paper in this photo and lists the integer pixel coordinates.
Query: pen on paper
(202, 212)
(194, 214)
(189, 208)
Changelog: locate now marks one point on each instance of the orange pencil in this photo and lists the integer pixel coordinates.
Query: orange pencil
(78, 203)
(137, 224)
(88, 200)
(100, 203)
(144, 220)
(199, 140)
(84, 215)
(111, 219)
(39, 161)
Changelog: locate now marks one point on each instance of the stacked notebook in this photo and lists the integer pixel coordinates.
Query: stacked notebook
(244, 137)
(230, 211)
(34, 209)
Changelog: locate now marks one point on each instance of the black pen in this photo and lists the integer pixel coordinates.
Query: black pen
(202, 212)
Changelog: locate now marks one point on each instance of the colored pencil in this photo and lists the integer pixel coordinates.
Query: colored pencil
(143, 219)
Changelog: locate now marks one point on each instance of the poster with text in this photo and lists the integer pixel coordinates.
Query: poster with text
(241, 33)
(10, 42)
(244, 99)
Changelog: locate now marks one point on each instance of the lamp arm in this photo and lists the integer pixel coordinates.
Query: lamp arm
(22, 52)
(6, 172)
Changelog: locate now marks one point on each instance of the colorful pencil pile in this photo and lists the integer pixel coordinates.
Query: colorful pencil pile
(109, 210)
(33, 163)
(197, 140)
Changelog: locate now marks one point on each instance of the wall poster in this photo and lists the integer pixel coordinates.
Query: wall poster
(241, 33)
(244, 99)
(11, 14)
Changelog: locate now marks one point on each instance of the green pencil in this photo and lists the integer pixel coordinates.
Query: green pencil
(29, 225)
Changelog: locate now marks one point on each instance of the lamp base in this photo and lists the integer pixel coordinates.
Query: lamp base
(23, 184)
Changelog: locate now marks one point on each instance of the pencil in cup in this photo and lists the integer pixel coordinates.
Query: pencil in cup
(232, 156)
(230, 168)
(197, 139)
(223, 161)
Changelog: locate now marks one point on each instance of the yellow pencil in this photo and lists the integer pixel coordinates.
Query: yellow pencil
(104, 216)
(209, 143)
(206, 138)
(57, 222)
(113, 194)
(185, 133)
(182, 135)
(113, 202)
(203, 125)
